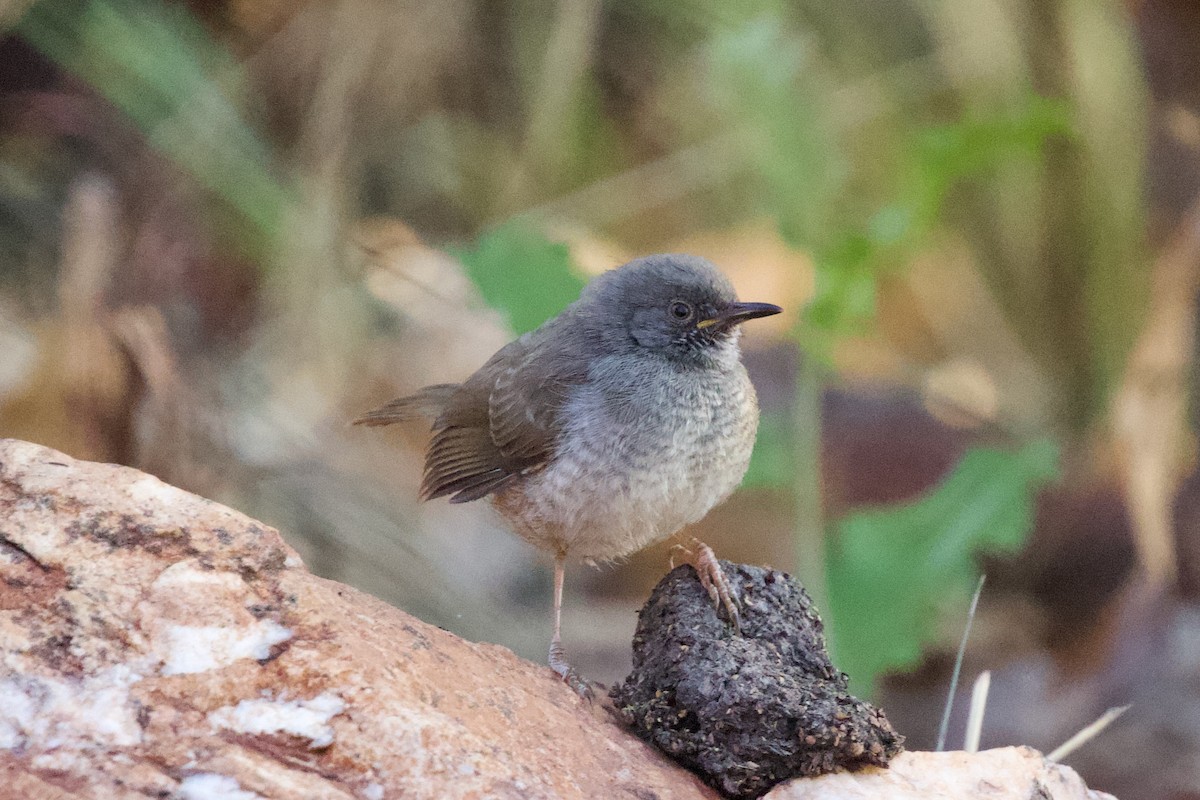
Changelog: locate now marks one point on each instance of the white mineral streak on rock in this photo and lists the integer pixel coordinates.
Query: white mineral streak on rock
(192, 649)
(216, 629)
(209, 786)
(42, 712)
(308, 719)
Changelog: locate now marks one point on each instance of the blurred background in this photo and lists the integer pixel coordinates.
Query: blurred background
(227, 227)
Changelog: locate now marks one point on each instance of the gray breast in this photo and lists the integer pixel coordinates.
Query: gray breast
(645, 450)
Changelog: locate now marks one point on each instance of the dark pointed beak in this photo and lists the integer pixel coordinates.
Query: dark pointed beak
(737, 313)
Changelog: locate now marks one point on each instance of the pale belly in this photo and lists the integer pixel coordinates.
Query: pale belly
(628, 475)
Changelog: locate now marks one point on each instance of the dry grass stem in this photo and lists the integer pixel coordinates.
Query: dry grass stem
(979, 698)
(1087, 734)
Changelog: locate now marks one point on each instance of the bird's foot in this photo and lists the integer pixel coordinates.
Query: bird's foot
(559, 663)
(712, 578)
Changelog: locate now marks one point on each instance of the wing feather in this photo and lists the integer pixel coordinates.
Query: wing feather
(428, 402)
(503, 422)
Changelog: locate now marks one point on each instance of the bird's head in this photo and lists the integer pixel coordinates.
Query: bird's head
(679, 306)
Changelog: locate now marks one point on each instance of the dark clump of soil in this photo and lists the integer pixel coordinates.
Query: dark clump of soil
(745, 710)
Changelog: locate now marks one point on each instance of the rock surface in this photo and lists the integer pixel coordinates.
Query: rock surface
(158, 644)
(155, 644)
(1006, 772)
(750, 708)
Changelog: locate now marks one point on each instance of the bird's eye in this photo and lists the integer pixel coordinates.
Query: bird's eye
(681, 310)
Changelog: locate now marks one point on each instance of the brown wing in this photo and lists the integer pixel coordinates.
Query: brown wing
(503, 422)
(428, 402)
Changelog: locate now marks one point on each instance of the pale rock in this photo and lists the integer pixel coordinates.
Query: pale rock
(1006, 772)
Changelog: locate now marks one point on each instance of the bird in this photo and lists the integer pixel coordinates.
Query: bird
(609, 428)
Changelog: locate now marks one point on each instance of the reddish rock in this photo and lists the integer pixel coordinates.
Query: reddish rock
(156, 644)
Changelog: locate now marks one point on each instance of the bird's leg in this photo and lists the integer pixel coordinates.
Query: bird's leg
(558, 656)
(712, 577)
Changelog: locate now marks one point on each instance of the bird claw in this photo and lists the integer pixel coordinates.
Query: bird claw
(712, 578)
(567, 673)
(579, 684)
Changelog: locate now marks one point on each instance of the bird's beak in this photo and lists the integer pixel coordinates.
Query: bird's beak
(737, 313)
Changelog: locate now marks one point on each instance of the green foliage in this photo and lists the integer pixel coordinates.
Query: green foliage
(937, 160)
(704, 16)
(772, 464)
(523, 274)
(770, 81)
(893, 572)
(846, 277)
(160, 67)
(943, 155)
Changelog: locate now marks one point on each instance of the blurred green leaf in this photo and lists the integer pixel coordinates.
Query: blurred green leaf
(772, 464)
(702, 15)
(844, 300)
(943, 155)
(937, 160)
(522, 273)
(894, 571)
(768, 79)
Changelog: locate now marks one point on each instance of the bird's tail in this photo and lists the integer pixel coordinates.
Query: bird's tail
(427, 402)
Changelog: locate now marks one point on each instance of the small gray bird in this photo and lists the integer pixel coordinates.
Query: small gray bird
(607, 429)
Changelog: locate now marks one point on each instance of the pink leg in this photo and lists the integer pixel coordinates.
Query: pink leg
(558, 656)
(712, 578)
